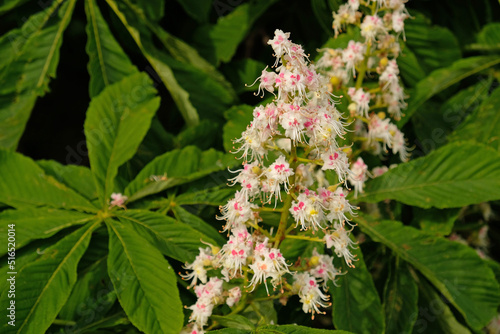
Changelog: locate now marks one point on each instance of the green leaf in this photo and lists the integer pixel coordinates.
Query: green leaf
(443, 78)
(341, 42)
(411, 71)
(215, 196)
(400, 299)
(28, 186)
(144, 281)
(92, 297)
(323, 14)
(233, 321)
(483, 125)
(436, 121)
(198, 10)
(172, 238)
(239, 117)
(198, 224)
(153, 10)
(33, 55)
(107, 61)
(116, 122)
(356, 304)
(209, 97)
(488, 39)
(295, 329)
(78, 178)
(435, 221)
(242, 73)
(39, 223)
(435, 316)
(434, 46)
(453, 176)
(201, 135)
(156, 59)
(8, 5)
(454, 269)
(43, 286)
(219, 42)
(174, 168)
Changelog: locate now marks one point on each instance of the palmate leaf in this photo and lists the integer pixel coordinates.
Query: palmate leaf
(116, 122)
(185, 217)
(453, 176)
(209, 92)
(39, 223)
(10, 4)
(78, 178)
(43, 286)
(443, 78)
(174, 168)
(435, 122)
(400, 299)
(283, 329)
(107, 61)
(356, 304)
(28, 186)
(454, 269)
(155, 58)
(144, 281)
(434, 46)
(219, 42)
(92, 297)
(483, 125)
(435, 316)
(32, 55)
(174, 239)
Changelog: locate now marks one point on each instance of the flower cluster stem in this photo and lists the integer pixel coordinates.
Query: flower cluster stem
(281, 233)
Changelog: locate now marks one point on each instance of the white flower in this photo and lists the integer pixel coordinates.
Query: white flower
(268, 263)
(202, 260)
(398, 20)
(209, 292)
(253, 142)
(352, 55)
(237, 211)
(118, 200)
(311, 296)
(307, 210)
(280, 43)
(337, 204)
(293, 122)
(340, 241)
(337, 161)
(248, 178)
(358, 176)
(323, 269)
(378, 171)
(277, 174)
(361, 99)
(202, 310)
(234, 253)
(371, 27)
(234, 296)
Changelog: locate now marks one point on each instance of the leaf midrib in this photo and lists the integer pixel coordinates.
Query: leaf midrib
(422, 185)
(52, 277)
(127, 252)
(58, 36)
(98, 41)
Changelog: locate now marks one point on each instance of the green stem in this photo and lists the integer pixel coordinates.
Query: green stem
(303, 237)
(61, 322)
(281, 233)
(317, 162)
